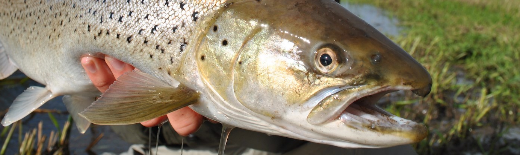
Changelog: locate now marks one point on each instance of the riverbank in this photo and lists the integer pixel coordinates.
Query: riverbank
(471, 49)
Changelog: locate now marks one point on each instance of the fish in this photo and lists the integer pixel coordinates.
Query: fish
(304, 69)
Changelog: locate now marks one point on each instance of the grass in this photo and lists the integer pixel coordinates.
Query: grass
(471, 49)
(34, 141)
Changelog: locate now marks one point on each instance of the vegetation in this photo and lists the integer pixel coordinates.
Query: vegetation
(471, 49)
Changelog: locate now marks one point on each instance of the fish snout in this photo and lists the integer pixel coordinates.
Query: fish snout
(401, 70)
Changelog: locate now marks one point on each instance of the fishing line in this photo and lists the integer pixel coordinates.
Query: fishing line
(157, 141)
(182, 144)
(149, 141)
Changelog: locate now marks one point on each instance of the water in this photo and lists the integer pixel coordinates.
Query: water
(78, 142)
(374, 16)
(110, 142)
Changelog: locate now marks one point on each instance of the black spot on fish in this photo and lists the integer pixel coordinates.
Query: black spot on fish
(225, 42)
(171, 60)
(169, 42)
(100, 32)
(101, 20)
(111, 14)
(127, 1)
(140, 31)
(154, 29)
(157, 47)
(258, 0)
(120, 19)
(145, 41)
(167, 3)
(215, 28)
(239, 62)
(117, 36)
(195, 16)
(142, 1)
(182, 5)
(174, 29)
(203, 57)
(129, 39)
(95, 38)
(104, 1)
(162, 50)
(146, 17)
(130, 13)
(94, 13)
(50, 8)
(108, 32)
(151, 56)
(88, 28)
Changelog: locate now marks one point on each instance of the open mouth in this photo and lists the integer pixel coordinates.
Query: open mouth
(357, 109)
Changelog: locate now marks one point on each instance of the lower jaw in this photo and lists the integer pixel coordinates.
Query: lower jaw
(370, 117)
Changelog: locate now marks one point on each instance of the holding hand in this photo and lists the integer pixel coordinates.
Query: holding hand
(103, 73)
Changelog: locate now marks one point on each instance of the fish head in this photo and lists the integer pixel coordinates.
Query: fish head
(313, 70)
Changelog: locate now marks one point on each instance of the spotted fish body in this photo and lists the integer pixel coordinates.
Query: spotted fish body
(151, 35)
(306, 69)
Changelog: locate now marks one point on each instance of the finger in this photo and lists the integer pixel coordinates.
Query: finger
(117, 67)
(154, 122)
(98, 72)
(185, 121)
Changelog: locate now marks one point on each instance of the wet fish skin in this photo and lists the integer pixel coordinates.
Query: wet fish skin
(254, 63)
(46, 38)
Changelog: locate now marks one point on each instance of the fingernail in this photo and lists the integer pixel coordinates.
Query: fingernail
(116, 64)
(89, 64)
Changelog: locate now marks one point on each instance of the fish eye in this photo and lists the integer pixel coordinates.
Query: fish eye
(326, 59)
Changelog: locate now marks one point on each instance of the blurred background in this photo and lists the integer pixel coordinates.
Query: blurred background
(470, 47)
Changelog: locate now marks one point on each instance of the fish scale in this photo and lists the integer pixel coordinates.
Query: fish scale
(147, 30)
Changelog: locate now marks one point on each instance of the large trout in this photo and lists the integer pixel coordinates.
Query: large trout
(306, 69)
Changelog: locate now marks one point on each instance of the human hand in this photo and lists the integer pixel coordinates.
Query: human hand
(103, 73)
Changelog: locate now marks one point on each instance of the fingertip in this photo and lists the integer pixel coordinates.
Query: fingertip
(118, 67)
(185, 121)
(154, 122)
(98, 72)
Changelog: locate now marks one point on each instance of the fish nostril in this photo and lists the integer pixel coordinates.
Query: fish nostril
(376, 58)
(423, 92)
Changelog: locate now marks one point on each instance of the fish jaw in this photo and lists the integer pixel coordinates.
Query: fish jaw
(354, 108)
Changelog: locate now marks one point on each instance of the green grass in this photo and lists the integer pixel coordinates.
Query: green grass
(475, 40)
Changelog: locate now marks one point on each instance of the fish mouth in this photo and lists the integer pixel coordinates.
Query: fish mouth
(356, 108)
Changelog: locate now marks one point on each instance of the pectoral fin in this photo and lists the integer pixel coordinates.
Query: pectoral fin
(31, 99)
(137, 97)
(76, 104)
(6, 66)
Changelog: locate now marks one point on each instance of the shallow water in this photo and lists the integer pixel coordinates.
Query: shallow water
(376, 17)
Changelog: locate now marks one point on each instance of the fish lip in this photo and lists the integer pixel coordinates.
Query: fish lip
(324, 116)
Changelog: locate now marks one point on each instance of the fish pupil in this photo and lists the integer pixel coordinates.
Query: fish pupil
(325, 59)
